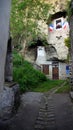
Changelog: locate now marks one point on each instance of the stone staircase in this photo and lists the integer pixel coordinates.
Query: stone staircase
(46, 116)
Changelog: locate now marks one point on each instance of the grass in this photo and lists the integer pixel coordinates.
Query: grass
(47, 85)
(25, 75)
(30, 79)
(64, 89)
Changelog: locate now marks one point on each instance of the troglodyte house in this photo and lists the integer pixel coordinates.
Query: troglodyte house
(52, 57)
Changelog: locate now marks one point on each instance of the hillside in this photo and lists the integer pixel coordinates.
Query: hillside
(27, 25)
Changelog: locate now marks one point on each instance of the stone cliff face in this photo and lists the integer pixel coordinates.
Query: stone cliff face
(58, 31)
(56, 37)
(59, 5)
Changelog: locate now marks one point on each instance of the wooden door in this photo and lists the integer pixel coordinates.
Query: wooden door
(46, 69)
(55, 72)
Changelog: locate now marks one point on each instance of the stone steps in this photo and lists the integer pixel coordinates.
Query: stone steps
(46, 116)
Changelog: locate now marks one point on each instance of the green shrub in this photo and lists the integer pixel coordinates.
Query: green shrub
(65, 88)
(25, 74)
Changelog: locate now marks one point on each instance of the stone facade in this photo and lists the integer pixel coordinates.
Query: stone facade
(52, 68)
(9, 101)
(41, 55)
(57, 37)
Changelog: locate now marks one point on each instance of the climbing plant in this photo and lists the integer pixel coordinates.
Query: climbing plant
(67, 42)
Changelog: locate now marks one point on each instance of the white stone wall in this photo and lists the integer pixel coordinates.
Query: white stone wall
(50, 68)
(62, 71)
(50, 71)
(41, 55)
(56, 38)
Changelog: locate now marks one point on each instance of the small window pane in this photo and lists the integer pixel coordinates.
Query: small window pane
(58, 24)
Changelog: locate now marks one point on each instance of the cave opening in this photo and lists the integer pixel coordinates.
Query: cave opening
(58, 15)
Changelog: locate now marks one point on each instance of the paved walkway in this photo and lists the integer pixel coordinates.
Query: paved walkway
(43, 111)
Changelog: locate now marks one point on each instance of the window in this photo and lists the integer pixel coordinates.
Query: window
(58, 24)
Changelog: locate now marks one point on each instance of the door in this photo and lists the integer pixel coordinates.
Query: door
(46, 69)
(55, 72)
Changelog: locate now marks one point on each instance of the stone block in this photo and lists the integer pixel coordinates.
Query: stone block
(9, 102)
(6, 103)
(16, 91)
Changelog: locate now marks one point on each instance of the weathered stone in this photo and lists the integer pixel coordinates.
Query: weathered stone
(16, 91)
(9, 101)
(50, 52)
(57, 40)
(58, 5)
(6, 103)
(9, 97)
(4, 33)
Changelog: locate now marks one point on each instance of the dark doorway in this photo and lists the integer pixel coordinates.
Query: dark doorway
(55, 70)
(55, 73)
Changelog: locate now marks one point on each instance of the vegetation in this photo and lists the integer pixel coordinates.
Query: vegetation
(25, 74)
(25, 15)
(47, 85)
(67, 42)
(30, 79)
(65, 88)
(69, 9)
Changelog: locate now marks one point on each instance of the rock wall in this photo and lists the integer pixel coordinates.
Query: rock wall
(57, 38)
(58, 5)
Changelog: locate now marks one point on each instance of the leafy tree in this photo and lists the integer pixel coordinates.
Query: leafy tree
(24, 17)
(25, 74)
